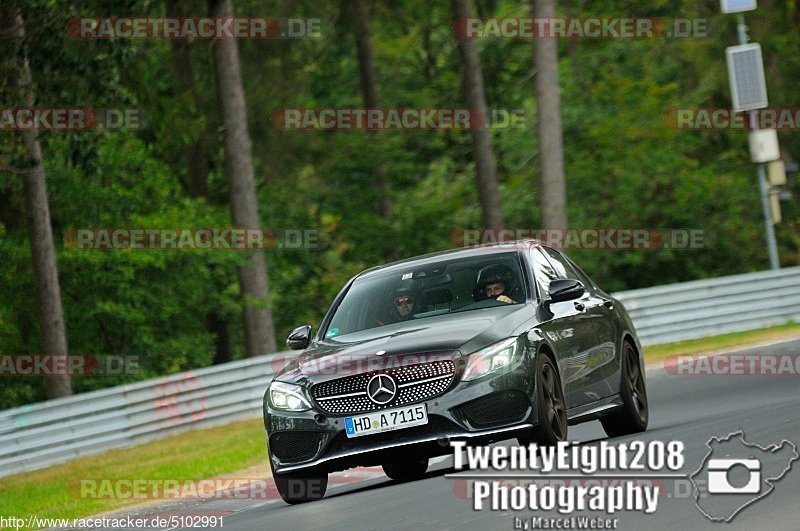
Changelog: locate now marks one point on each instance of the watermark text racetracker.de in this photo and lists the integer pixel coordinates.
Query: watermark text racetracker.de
(630, 462)
(186, 239)
(733, 364)
(594, 238)
(220, 488)
(579, 28)
(708, 119)
(396, 119)
(68, 119)
(193, 28)
(354, 363)
(67, 364)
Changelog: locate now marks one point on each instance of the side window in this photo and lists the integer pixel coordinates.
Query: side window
(566, 269)
(583, 277)
(543, 272)
(562, 267)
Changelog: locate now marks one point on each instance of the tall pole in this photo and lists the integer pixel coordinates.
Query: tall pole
(772, 246)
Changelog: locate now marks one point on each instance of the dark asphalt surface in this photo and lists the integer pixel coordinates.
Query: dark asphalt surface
(691, 409)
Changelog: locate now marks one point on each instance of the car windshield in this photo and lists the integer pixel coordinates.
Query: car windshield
(427, 289)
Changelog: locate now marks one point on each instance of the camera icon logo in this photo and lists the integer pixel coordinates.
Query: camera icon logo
(735, 473)
(718, 476)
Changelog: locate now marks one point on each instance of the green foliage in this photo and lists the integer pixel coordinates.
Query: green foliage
(625, 167)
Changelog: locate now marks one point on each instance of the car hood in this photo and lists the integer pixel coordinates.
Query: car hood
(419, 341)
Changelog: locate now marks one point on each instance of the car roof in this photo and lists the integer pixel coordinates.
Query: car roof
(463, 252)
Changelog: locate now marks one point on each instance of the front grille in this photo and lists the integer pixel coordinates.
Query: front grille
(415, 383)
(497, 409)
(295, 446)
(436, 426)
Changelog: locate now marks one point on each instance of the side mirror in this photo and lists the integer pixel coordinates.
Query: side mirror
(565, 290)
(299, 338)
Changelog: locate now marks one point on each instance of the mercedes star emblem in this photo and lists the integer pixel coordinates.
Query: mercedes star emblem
(381, 389)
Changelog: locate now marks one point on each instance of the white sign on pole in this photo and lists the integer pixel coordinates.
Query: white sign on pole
(737, 6)
(746, 75)
(764, 145)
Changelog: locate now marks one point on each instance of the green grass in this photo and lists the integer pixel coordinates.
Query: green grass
(212, 452)
(656, 353)
(53, 492)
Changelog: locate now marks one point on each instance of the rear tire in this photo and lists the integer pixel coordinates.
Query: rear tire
(550, 405)
(406, 470)
(634, 414)
(301, 487)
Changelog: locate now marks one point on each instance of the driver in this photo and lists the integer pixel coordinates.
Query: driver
(495, 282)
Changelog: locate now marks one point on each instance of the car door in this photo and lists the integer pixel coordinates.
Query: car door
(565, 325)
(595, 370)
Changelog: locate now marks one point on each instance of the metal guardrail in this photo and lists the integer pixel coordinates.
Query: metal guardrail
(701, 308)
(39, 435)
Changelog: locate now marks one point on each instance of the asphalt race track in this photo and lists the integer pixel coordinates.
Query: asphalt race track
(691, 409)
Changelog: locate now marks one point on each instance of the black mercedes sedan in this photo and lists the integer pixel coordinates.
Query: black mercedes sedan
(481, 344)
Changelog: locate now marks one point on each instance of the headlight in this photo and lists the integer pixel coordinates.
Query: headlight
(491, 359)
(287, 397)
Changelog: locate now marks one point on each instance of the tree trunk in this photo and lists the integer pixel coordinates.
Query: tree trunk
(369, 91)
(259, 332)
(552, 186)
(475, 99)
(40, 232)
(196, 156)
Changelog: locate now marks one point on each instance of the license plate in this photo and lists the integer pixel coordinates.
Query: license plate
(391, 419)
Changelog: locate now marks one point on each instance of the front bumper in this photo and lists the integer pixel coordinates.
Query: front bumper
(493, 408)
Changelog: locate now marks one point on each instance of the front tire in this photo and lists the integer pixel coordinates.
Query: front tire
(550, 404)
(406, 470)
(634, 414)
(301, 487)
